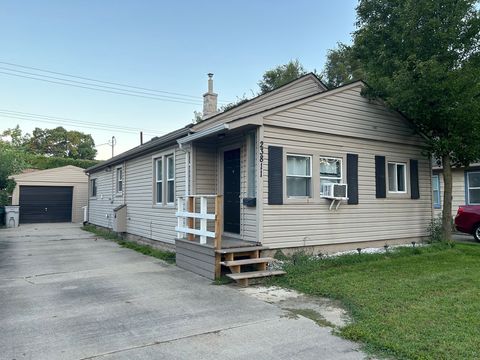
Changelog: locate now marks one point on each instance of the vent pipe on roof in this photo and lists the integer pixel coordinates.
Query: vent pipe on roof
(141, 137)
(209, 100)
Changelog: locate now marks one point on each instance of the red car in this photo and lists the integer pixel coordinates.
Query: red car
(468, 220)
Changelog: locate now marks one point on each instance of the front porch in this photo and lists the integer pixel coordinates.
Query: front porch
(203, 249)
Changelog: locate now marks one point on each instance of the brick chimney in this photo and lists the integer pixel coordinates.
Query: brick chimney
(209, 100)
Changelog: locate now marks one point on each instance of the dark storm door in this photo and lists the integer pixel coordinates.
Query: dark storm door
(43, 204)
(231, 191)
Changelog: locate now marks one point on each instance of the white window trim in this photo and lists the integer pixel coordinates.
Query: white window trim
(166, 157)
(330, 177)
(158, 181)
(471, 188)
(91, 188)
(117, 180)
(436, 179)
(163, 157)
(301, 176)
(404, 177)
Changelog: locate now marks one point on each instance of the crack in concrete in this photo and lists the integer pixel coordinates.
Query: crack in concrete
(217, 331)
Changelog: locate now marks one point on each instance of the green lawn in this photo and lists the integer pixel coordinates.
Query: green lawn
(164, 255)
(421, 303)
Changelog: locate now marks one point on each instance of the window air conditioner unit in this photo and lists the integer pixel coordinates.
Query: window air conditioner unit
(335, 191)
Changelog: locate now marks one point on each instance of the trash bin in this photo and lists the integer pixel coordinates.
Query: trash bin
(2, 215)
(11, 216)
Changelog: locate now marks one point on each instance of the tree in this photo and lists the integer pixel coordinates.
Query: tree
(15, 136)
(341, 66)
(422, 58)
(11, 162)
(281, 75)
(62, 143)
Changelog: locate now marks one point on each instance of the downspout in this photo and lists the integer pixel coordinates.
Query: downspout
(124, 183)
(88, 198)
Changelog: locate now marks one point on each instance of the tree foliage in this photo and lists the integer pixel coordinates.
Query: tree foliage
(11, 162)
(422, 58)
(281, 75)
(61, 143)
(341, 66)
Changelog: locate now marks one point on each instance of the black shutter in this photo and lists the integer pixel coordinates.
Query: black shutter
(414, 187)
(380, 183)
(275, 175)
(352, 178)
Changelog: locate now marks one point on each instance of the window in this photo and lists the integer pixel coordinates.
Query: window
(397, 177)
(251, 163)
(165, 180)
(330, 171)
(93, 187)
(170, 179)
(119, 180)
(159, 181)
(436, 191)
(473, 184)
(299, 175)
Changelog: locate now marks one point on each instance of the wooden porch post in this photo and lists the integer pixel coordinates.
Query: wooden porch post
(217, 242)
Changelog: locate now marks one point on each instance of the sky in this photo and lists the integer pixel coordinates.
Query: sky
(165, 46)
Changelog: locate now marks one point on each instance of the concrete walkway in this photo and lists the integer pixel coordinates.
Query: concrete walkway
(66, 295)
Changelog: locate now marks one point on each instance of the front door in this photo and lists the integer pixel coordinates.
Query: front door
(231, 191)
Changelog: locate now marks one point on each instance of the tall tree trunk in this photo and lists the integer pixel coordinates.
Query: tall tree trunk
(447, 198)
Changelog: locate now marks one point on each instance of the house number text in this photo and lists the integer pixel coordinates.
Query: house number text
(261, 159)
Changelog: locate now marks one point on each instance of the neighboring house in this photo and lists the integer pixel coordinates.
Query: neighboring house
(465, 187)
(271, 159)
(53, 195)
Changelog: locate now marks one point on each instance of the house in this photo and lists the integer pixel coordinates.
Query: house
(236, 187)
(52, 195)
(465, 187)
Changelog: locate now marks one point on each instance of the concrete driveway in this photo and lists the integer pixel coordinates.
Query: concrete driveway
(66, 295)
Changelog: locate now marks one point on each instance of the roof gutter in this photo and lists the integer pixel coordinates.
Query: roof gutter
(201, 134)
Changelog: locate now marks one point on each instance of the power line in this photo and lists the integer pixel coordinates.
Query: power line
(99, 81)
(101, 86)
(70, 121)
(76, 123)
(98, 89)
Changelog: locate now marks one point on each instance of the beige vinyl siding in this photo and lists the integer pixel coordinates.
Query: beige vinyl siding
(205, 169)
(208, 177)
(292, 225)
(333, 125)
(458, 191)
(145, 219)
(63, 176)
(297, 90)
(101, 207)
(347, 113)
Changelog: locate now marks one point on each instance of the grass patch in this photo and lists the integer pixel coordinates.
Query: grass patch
(222, 280)
(409, 303)
(312, 315)
(167, 256)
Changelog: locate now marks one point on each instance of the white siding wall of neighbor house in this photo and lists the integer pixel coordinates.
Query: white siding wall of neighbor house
(335, 125)
(458, 191)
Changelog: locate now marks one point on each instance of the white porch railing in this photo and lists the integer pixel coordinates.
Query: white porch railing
(188, 218)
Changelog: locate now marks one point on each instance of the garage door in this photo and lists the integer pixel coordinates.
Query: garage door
(40, 204)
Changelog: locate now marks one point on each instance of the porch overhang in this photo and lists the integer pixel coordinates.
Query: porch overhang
(203, 133)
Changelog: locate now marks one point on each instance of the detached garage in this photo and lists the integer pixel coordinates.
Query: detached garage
(53, 195)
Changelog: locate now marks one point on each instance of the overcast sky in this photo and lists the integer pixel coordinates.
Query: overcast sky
(166, 46)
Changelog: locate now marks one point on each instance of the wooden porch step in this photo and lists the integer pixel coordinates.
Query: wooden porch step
(255, 274)
(248, 261)
(240, 249)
